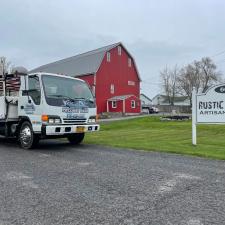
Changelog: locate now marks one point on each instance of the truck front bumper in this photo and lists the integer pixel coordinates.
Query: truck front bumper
(65, 129)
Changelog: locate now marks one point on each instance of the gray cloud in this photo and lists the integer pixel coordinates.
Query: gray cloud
(156, 32)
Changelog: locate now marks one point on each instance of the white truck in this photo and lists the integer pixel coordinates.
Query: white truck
(44, 105)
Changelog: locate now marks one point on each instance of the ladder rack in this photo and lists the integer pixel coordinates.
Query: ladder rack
(12, 84)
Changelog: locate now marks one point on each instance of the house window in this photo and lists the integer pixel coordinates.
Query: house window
(129, 62)
(112, 88)
(133, 105)
(114, 105)
(108, 56)
(119, 50)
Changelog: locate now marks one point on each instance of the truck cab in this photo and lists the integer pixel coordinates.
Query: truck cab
(46, 105)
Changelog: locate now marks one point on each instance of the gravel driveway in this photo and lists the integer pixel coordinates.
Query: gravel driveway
(60, 184)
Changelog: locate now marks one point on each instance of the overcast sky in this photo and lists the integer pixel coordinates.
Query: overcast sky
(156, 32)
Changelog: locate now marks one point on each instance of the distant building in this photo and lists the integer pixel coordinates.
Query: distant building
(164, 100)
(110, 71)
(145, 100)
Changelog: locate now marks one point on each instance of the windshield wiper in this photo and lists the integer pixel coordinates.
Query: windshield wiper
(72, 99)
(90, 100)
(86, 99)
(79, 98)
(62, 96)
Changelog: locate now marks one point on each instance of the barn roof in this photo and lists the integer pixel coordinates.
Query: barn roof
(82, 64)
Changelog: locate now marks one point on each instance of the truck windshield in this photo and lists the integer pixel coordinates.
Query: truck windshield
(60, 89)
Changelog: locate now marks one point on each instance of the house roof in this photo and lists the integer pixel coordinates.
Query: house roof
(146, 97)
(176, 98)
(118, 98)
(165, 98)
(82, 64)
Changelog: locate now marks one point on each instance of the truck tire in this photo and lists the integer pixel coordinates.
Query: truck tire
(27, 138)
(76, 139)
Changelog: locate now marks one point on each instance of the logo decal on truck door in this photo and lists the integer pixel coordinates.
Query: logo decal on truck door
(29, 109)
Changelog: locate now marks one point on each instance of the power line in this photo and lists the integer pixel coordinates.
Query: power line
(219, 53)
(150, 83)
(220, 61)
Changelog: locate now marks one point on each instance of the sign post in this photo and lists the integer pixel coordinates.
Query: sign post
(194, 129)
(208, 108)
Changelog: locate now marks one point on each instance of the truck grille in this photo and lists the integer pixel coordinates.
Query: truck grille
(74, 121)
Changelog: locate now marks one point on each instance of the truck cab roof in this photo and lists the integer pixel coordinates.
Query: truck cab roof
(54, 74)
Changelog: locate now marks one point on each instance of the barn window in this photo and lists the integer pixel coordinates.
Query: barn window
(108, 56)
(119, 50)
(93, 90)
(133, 105)
(131, 83)
(129, 62)
(114, 104)
(112, 88)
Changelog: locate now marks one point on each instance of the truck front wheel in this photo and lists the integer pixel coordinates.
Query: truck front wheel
(26, 136)
(76, 139)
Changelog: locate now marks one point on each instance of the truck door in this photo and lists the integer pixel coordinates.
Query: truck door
(2, 101)
(31, 106)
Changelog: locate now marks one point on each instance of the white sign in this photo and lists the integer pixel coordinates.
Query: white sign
(211, 105)
(208, 108)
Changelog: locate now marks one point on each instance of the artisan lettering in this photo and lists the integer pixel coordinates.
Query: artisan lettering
(212, 112)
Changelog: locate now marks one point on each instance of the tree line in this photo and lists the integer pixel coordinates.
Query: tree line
(180, 81)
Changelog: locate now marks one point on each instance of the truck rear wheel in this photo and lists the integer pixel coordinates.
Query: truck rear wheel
(76, 139)
(26, 136)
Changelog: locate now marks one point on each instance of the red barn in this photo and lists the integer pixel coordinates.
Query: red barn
(110, 71)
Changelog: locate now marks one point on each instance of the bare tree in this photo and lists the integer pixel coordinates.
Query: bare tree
(169, 81)
(164, 74)
(208, 73)
(189, 77)
(199, 74)
(5, 65)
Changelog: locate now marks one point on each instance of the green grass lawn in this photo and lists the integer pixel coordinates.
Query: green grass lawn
(149, 133)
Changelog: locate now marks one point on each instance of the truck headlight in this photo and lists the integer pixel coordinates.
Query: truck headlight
(51, 119)
(57, 120)
(92, 119)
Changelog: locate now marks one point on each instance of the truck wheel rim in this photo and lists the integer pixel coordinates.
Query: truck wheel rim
(26, 135)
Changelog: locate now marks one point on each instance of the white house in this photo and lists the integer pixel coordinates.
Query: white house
(164, 100)
(145, 100)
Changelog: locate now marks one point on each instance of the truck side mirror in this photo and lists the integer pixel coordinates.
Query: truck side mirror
(25, 92)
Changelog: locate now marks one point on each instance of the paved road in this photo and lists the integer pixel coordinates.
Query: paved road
(59, 184)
